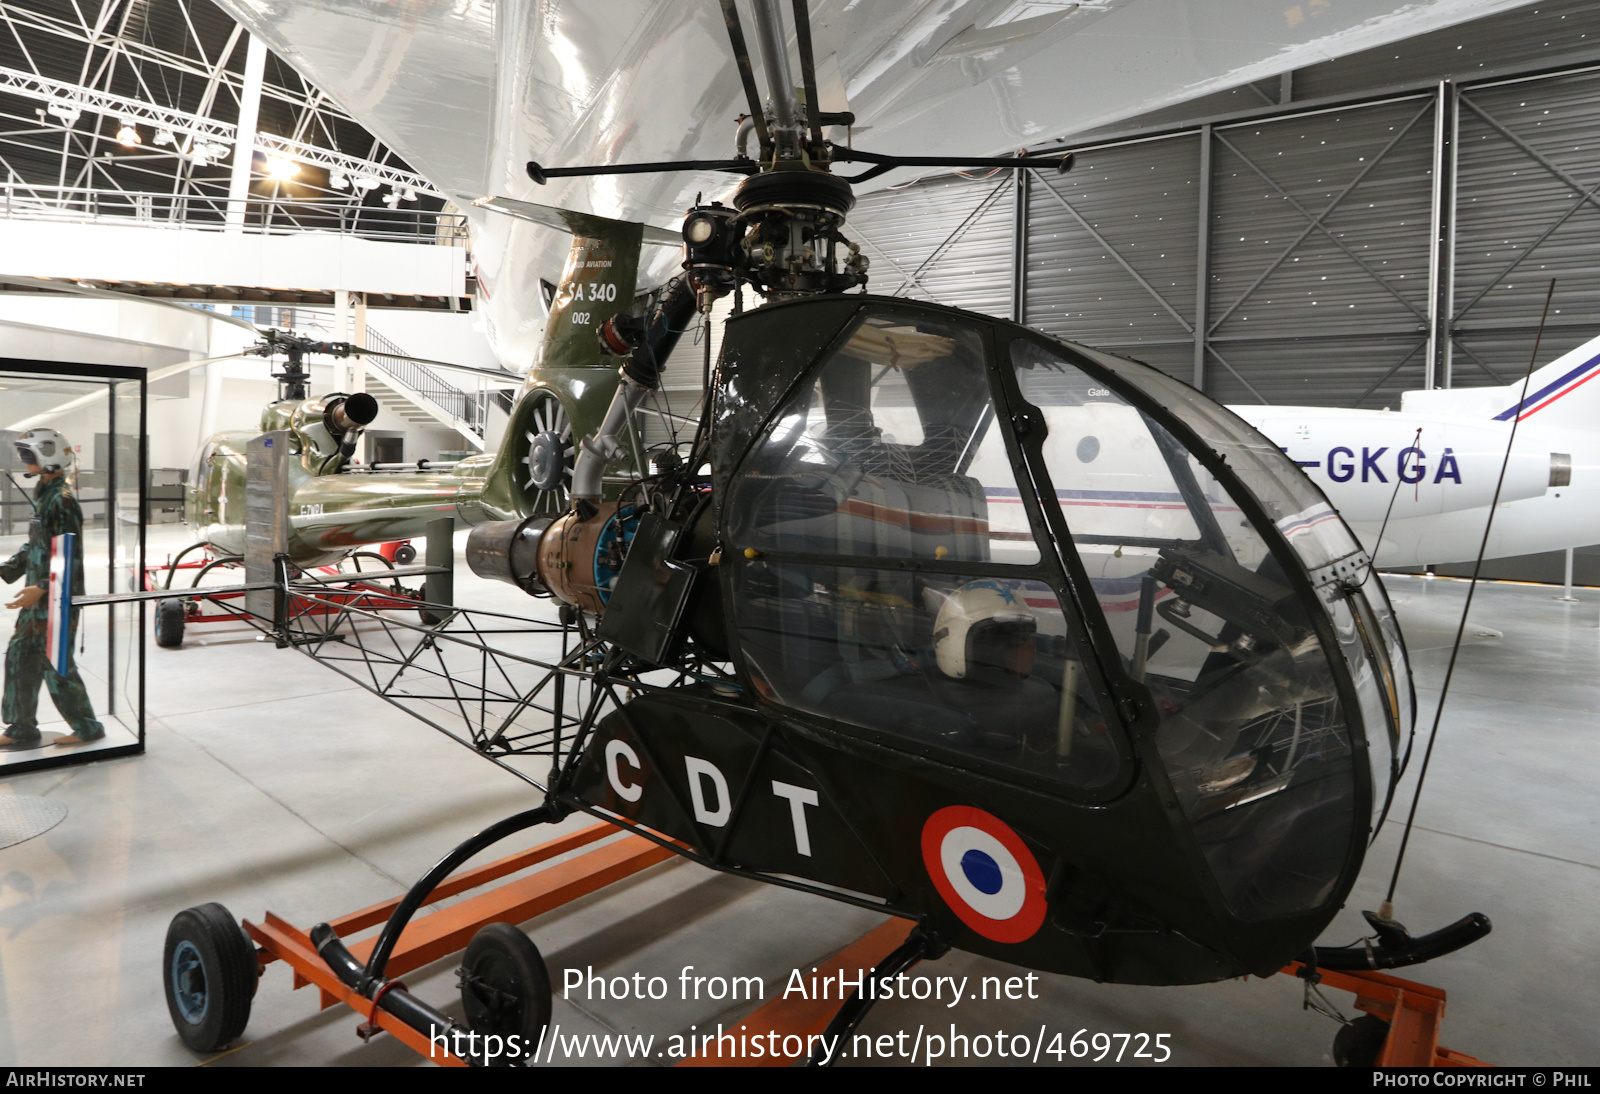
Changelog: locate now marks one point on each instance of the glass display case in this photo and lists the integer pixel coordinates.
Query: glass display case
(72, 484)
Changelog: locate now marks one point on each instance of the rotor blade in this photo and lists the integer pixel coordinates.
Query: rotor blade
(541, 174)
(151, 377)
(493, 374)
(808, 68)
(566, 220)
(61, 285)
(747, 76)
(1062, 162)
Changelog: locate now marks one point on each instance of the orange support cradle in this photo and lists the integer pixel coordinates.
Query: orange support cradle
(1414, 1012)
(430, 937)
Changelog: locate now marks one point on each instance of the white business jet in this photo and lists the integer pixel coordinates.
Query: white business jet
(1431, 466)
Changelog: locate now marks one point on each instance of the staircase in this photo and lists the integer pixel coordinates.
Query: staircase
(417, 395)
(406, 391)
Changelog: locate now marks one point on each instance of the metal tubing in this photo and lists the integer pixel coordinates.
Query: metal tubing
(1019, 250)
(741, 55)
(419, 893)
(1202, 272)
(397, 1001)
(593, 454)
(1141, 627)
(1414, 951)
(1436, 257)
(440, 557)
(808, 68)
(1067, 716)
(775, 60)
(1448, 248)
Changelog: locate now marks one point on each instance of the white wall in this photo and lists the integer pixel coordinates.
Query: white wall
(101, 332)
(440, 335)
(189, 256)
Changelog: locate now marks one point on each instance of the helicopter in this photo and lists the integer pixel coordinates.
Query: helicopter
(1142, 745)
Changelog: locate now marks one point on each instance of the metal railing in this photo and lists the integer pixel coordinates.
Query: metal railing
(322, 212)
(466, 406)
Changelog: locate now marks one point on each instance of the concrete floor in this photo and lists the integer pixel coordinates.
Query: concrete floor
(271, 783)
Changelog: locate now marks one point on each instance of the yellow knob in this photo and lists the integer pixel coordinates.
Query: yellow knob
(940, 551)
(751, 552)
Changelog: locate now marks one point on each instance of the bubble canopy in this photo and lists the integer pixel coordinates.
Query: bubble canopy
(961, 550)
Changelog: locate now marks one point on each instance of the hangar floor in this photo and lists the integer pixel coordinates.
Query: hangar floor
(271, 783)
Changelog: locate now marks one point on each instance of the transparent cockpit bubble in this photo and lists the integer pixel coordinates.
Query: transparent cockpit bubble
(1253, 735)
(980, 669)
(1324, 543)
(889, 449)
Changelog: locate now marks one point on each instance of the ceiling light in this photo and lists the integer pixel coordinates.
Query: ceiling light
(163, 137)
(367, 182)
(391, 199)
(408, 194)
(281, 168)
(65, 109)
(338, 180)
(128, 134)
(216, 153)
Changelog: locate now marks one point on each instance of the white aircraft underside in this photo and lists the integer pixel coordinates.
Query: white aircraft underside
(469, 91)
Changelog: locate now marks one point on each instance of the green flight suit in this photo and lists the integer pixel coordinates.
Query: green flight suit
(27, 661)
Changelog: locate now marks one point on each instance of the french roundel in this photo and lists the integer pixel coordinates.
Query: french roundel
(984, 872)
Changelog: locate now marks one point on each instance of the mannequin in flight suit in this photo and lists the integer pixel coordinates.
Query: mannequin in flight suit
(44, 453)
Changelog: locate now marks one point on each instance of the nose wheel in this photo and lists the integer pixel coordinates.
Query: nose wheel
(547, 479)
(210, 972)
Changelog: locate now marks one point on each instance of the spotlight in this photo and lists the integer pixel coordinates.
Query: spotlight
(408, 194)
(281, 168)
(128, 134)
(216, 153)
(65, 109)
(163, 137)
(367, 182)
(338, 180)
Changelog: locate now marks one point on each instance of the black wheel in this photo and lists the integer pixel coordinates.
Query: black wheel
(169, 624)
(210, 972)
(405, 554)
(429, 618)
(1358, 1044)
(505, 989)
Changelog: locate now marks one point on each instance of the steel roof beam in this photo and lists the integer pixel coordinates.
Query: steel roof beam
(107, 104)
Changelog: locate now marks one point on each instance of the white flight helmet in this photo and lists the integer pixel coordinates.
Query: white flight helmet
(46, 448)
(979, 625)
